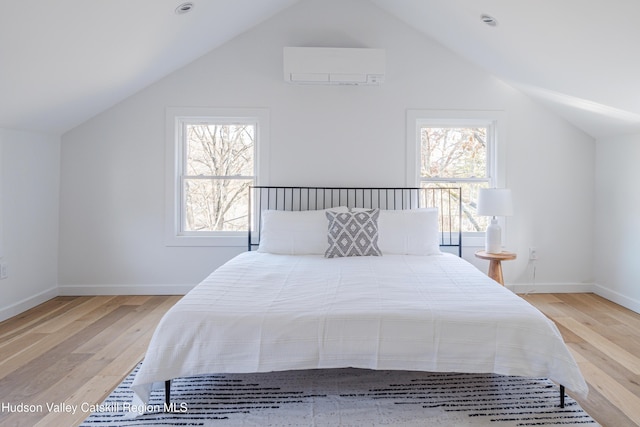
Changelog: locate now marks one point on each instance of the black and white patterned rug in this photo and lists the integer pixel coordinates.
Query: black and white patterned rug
(349, 397)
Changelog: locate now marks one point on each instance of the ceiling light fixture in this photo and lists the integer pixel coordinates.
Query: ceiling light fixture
(184, 8)
(489, 20)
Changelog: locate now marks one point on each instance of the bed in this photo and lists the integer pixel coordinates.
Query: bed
(300, 299)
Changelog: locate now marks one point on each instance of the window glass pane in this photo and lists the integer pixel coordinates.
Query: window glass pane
(216, 204)
(453, 152)
(220, 149)
(471, 222)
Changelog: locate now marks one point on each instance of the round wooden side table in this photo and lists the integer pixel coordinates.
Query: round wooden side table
(495, 263)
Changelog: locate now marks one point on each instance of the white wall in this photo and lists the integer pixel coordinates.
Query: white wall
(112, 177)
(617, 268)
(29, 182)
(551, 171)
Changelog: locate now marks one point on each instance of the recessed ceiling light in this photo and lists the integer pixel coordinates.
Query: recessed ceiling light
(184, 8)
(489, 20)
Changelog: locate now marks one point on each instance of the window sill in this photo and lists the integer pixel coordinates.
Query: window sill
(213, 241)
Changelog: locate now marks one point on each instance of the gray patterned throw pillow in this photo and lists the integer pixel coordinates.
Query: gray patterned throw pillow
(353, 234)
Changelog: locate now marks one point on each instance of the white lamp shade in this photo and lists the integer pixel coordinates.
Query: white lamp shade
(495, 202)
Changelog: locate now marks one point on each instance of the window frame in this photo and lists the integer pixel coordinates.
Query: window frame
(494, 121)
(176, 120)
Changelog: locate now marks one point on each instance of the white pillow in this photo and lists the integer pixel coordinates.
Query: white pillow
(295, 232)
(409, 232)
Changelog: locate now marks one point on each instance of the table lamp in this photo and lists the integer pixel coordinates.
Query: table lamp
(494, 202)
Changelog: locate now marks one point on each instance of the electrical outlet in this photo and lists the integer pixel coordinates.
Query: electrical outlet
(533, 254)
(3, 271)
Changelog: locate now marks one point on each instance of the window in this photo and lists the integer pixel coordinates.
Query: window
(214, 157)
(216, 170)
(454, 148)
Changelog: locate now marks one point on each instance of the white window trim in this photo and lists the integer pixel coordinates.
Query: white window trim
(174, 117)
(496, 154)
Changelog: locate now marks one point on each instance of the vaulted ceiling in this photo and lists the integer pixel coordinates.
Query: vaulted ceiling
(64, 61)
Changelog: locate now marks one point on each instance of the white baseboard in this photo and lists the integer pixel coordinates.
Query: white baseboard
(550, 288)
(630, 303)
(28, 303)
(88, 290)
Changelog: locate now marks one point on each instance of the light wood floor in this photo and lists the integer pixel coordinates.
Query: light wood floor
(605, 341)
(77, 349)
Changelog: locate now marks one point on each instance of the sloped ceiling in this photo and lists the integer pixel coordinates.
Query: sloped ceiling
(64, 61)
(579, 57)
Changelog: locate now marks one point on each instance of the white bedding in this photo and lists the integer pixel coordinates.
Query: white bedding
(263, 312)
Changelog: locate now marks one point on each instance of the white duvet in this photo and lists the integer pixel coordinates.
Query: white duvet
(264, 312)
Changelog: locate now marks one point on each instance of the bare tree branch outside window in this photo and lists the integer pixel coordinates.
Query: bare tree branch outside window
(218, 172)
(456, 156)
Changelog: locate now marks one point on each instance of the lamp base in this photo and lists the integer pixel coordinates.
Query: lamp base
(493, 238)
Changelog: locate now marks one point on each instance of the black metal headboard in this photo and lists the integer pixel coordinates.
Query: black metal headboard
(448, 201)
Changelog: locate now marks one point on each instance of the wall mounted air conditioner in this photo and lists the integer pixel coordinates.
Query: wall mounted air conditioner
(328, 65)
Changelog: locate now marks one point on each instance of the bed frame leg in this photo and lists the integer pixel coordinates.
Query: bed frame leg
(167, 394)
(561, 396)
